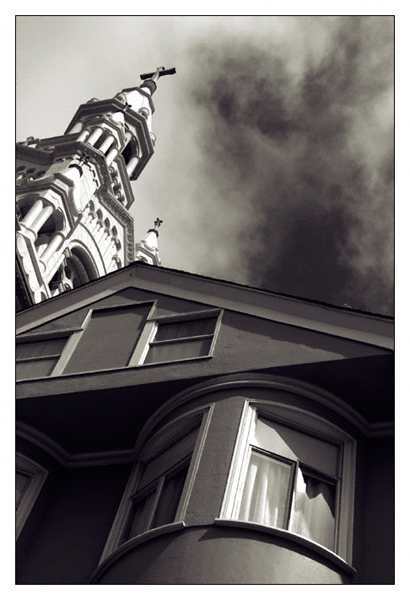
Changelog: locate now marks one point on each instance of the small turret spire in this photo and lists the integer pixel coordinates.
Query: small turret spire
(147, 249)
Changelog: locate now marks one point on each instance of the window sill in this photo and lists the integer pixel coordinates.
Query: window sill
(133, 542)
(294, 537)
(114, 369)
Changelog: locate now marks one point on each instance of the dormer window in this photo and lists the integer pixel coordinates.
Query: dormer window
(176, 338)
(38, 357)
(118, 337)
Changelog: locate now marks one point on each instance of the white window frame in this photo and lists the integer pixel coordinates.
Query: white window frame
(39, 337)
(152, 326)
(142, 346)
(158, 444)
(309, 424)
(38, 475)
(156, 486)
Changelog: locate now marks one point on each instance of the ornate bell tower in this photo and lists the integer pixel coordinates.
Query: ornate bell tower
(74, 192)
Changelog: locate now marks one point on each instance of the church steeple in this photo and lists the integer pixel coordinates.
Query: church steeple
(147, 249)
(74, 193)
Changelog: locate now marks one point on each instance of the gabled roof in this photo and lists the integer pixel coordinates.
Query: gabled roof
(350, 324)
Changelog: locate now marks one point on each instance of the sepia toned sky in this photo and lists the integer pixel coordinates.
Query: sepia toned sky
(273, 165)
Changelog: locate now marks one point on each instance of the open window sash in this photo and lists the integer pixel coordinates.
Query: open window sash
(281, 491)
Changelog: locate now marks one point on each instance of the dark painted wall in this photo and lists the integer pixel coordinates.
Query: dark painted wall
(67, 530)
(244, 342)
(379, 516)
(221, 555)
(64, 536)
(72, 533)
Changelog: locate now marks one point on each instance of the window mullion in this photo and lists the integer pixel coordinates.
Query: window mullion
(337, 514)
(142, 346)
(181, 339)
(291, 498)
(240, 461)
(36, 358)
(67, 352)
(158, 491)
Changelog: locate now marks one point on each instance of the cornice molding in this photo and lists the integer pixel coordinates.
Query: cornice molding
(102, 108)
(35, 154)
(288, 535)
(373, 330)
(132, 543)
(274, 382)
(67, 460)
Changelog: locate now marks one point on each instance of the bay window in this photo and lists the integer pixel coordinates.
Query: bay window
(294, 476)
(160, 487)
(159, 504)
(291, 482)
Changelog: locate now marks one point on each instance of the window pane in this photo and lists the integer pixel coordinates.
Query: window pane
(40, 348)
(35, 368)
(169, 499)
(169, 458)
(296, 445)
(266, 491)
(140, 515)
(109, 339)
(172, 331)
(314, 513)
(178, 350)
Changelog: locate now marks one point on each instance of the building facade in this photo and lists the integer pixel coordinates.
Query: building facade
(74, 194)
(177, 429)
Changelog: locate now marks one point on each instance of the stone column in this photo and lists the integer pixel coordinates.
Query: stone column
(36, 217)
(55, 243)
(33, 213)
(42, 218)
(107, 143)
(132, 164)
(112, 155)
(96, 134)
(83, 136)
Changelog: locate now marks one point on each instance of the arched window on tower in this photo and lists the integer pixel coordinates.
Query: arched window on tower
(77, 270)
(129, 151)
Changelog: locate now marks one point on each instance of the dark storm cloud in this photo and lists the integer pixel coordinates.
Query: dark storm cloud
(309, 143)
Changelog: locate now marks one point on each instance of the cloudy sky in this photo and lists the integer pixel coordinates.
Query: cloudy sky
(273, 165)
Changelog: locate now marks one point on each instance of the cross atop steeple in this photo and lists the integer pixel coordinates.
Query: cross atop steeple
(160, 72)
(150, 79)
